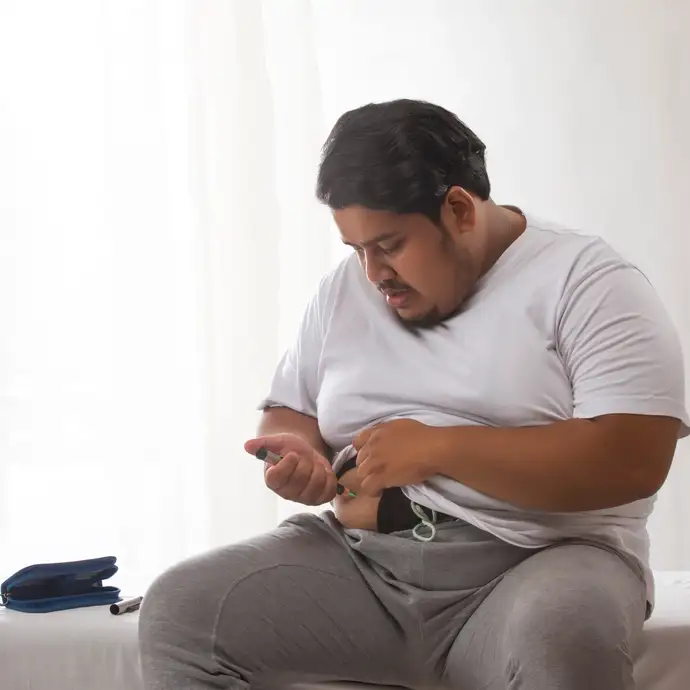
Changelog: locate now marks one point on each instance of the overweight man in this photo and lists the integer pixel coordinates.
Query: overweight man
(488, 402)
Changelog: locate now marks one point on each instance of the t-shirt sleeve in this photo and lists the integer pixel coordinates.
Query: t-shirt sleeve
(295, 381)
(618, 344)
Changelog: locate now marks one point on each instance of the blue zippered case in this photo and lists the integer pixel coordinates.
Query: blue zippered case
(57, 586)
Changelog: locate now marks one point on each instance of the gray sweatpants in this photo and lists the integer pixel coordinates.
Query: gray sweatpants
(309, 601)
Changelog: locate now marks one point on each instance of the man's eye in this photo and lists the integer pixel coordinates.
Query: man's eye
(392, 248)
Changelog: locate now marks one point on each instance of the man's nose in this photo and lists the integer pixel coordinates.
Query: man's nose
(376, 268)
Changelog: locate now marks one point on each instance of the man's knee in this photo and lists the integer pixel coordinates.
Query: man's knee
(576, 622)
(175, 606)
(577, 612)
(180, 621)
(212, 596)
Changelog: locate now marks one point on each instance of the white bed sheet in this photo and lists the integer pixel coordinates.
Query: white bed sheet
(90, 649)
(80, 649)
(662, 660)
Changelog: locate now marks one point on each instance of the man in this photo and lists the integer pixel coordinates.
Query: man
(504, 400)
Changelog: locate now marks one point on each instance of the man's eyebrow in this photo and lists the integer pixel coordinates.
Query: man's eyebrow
(375, 240)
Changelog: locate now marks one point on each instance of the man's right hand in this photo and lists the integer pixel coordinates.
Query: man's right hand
(303, 475)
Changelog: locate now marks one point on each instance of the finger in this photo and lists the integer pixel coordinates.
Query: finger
(315, 488)
(314, 485)
(330, 486)
(278, 476)
(372, 485)
(363, 470)
(350, 480)
(370, 463)
(299, 479)
(289, 477)
(362, 456)
(330, 491)
(371, 470)
(323, 461)
(363, 437)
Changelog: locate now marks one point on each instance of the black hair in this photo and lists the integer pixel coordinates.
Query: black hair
(400, 156)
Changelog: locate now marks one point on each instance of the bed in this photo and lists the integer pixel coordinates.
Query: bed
(89, 649)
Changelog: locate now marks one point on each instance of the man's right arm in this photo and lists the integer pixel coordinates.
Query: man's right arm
(304, 474)
(284, 420)
(288, 425)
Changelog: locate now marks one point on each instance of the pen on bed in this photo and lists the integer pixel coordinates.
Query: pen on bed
(274, 459)
(126, 605)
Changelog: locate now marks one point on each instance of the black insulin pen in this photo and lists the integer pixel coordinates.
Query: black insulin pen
(274, 459)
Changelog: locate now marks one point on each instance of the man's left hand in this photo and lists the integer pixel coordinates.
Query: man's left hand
(395, 453)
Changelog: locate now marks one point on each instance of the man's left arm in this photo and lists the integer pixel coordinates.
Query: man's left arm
(622, 356)
(576, 465)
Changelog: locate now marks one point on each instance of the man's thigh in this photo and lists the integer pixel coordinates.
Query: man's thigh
(564, 618)
(287, 605)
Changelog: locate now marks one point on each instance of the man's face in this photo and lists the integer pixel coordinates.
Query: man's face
(422, 270)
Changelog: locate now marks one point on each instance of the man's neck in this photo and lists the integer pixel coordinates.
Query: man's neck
(506, 224)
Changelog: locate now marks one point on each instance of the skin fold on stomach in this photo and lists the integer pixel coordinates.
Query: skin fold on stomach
(355, 512)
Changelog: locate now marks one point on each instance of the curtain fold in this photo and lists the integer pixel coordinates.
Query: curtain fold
(102, 418)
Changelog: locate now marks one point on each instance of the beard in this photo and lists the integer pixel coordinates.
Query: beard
(415, 325)
(434, 318)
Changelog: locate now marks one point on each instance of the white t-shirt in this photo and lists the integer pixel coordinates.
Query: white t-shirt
(560, 327)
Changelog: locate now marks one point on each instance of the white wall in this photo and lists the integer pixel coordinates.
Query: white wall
(159, 236)
(583, 105)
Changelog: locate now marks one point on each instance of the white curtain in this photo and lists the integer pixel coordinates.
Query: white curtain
(159, 237)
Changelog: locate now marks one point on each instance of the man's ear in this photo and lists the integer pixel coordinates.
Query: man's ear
(459, 211)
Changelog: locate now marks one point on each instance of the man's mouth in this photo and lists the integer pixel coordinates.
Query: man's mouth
(397, 298)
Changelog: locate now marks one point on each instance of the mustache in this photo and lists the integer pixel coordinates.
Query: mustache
(386, 285)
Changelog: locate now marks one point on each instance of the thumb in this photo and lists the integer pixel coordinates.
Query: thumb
(272, 443)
